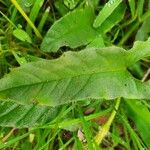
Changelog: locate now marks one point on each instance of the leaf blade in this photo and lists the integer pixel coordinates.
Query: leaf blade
(106, 12)
(22, 116)
(141, 116)
(112, 20)
(70, 31)
(77, 76)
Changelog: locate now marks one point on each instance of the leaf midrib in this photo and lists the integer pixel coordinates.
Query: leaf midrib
(46, 81)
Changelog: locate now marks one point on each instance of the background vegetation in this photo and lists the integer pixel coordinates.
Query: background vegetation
(35, 30)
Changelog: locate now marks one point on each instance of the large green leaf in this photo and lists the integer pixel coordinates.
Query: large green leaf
(73, 30)
(88, 74)
(21, 116)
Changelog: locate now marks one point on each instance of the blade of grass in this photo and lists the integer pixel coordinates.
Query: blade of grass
(66, 144)
(140, 114)
(43, 20)
(77, 145)
(3, 2)
(49, 140)
(14, 15)
(133, 134)
(86, 129)
(78, 121)
(8, 19)
(15, 3)
(14, 140)
(140, 7)
(60, 139)
(106, 12)
(33, 14)
(105, 128)
(8, 135)
(134, 27)
(126, 137)
(145, 16)
(128, 34)
(146, 75)
(119, 140)
(132, 7)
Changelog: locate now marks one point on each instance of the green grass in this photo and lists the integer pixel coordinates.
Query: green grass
(110, 124)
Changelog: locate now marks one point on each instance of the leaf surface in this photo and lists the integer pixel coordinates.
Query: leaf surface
(132, 7)
(106, 12)
(73, 30)
(144, 30)
(22, 116)
(22, 35)
(112, 20)
(88, 74)
(140, 114)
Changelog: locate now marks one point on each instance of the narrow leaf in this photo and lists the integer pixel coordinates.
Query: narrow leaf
(116, 16)
(22, 35)
(140, 5)
(132, 7)
(33, 14)
(106, 12)
(140, 114)
(144, 31)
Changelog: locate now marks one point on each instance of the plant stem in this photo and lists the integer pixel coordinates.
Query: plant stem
(134, 27)
(8, 135)
(104, 130)
(8, 19)
(77, 121)
(146, 75)
(127, 35)
(27, 18)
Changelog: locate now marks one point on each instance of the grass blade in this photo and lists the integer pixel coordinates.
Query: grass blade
(106, 12)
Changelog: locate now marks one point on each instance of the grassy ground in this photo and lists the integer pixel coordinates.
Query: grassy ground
(118, 124)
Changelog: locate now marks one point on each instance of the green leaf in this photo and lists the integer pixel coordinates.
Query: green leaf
(3, 66)
(61, 8)
(140, 50)
(73, 30)
(140, 5)
(144, 31)
(21, 116)
(98, 42)
(88, 74)
(116, 16)
(22, 35)
(26, 5)
(20, 60)
(141, 116)
(30, 58)
(71, 3)
(34, 14)
(106, 12)
(132, 7)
